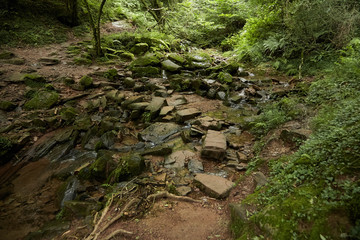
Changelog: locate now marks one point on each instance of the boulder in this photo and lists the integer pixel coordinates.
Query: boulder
(214, 146)
(214, 186)
(42, 100)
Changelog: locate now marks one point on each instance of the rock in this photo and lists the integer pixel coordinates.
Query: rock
(242, 73)
(108, 139)
(199, 65)
(195, 166)
(221, 95)
(103, 166)
(242, 157)
(186, 136)
(6, 55)
(126, 56)
(292, 138)
(49, 61)
(260, 179)
(176, 58)
(132, 99)
(214, 146)
(7, 106)
(178, 159)
(240, 213)
(162, 150)
(138, 106)
(129, 166)
(115, 95)
(86, 82)
(139, 48)
(187, 114)
(176, 101)
(148, 71)
(183, 190)
(149, 59)
(166, 110)
(214, 186)
(15, 61)
(42, 100)
(170, 66)
(129, 82)
(79, 209)
(211, 93)
(161, 93)
(225, 77)
(158, 132)
(155, 106)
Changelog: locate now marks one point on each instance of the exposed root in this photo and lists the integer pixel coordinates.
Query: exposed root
(165, 194)
(117, 232)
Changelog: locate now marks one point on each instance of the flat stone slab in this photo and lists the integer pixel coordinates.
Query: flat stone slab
(155, 104)
(178, 159)
(187, 114)
(158, 132)
(176, 101)
(214, 186)
(214, 146)
(165, 110)
(195, 166)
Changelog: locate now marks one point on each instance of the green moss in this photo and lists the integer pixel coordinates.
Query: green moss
(86, 81)
(177, 58)
(149, 59)
(68, 114)
(129, 166)
(7, 106)
(6, 55)
(34, 80)
(225, 77)
(42, 100)
(103, 166)
(111, 74)
(146, 71)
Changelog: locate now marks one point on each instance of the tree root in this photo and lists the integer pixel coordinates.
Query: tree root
(117, 232)
(165, 194)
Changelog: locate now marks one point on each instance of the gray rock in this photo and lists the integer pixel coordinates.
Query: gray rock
(260, 179)
(155, 105)
(178, 159)
(214, 146)
(129, 82)
(158, 132)
(166, 110)
(176, 101)
(214, 186)
(187, 114)
(195, 166)
(138, 106)
(221, 95)
(132, 99)
(170, 66)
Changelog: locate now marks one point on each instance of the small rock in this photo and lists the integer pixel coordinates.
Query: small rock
(260, 179)
(242, 157)
(166, 110)
(170, 66)
(49, 61)
(138, 106)
(183, 190)
(221, 95)
(178, 159)
(176, 101)
(187, 114)
(195, 166)
(132, 99)
(155, 106)
(158, 132)
(214, 186)
(139, 48)
(129, 82)
(214, 146)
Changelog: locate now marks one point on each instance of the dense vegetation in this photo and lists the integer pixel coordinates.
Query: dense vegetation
(313, 194)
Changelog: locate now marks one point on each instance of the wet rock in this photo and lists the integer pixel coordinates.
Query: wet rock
(187, 114)
(260, 179)
(49, 61)
(86, 82)
(195, 166)
(214, 186)
(7, 106)
(108, 139)
(214, 146)
(139, 48)
(183, 190)
(42, 100)
(60, 150)
(178, 159)
(166, 110)
(129, 82)
(158, 132)
(170, 66)
(155, 105)
(199, 65)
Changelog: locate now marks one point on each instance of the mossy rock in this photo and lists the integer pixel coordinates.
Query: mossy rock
(68, 114)
(129, 82)
(103, 166)
(82, 61)
(86, 82)
(170, 66)
(177, 58)
(140, 48)
(149, 59)
(34, 80)
(129, 166)
(148, 71)
(83, 123)
(15, 61)
(225, 77)
(6, 55)
(7, 106)
(42, 100)
(126, 56)
(68, 81)
(111, 74)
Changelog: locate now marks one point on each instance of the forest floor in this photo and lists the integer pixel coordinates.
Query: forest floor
(32, 198)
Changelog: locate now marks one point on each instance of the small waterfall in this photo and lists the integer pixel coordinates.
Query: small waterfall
(164, 76)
